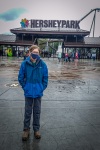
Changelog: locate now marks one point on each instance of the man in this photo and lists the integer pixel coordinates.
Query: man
(33, 77)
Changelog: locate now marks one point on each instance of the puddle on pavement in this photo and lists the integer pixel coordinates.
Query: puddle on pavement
(57, 71)
(66, 86)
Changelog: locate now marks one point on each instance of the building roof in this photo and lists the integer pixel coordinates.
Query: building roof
(92, 40)
(49, 29)
(44, 32)
(7, 38)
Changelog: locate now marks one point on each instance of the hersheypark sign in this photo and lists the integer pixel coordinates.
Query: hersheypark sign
(34, 23)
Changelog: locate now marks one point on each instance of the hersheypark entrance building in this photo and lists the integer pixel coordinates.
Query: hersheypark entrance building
(67, 33)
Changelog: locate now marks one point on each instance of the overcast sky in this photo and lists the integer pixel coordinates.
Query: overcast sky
(11, 12)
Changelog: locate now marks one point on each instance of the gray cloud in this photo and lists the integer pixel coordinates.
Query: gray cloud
(12, 14)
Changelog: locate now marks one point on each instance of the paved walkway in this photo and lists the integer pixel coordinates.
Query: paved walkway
(70, 117)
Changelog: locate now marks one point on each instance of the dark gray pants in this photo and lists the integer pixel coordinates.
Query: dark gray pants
(35, 105)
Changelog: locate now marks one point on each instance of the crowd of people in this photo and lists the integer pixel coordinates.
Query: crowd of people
(67, 57)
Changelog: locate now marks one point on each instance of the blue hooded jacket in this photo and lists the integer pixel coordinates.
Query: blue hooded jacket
(33, 79)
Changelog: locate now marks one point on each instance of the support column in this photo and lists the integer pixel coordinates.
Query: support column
(99, 53)
(32, 38)
(63, 54)
(22, 38)
(16, 51)
(47, 49)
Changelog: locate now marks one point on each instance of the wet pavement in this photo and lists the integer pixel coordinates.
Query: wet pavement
(70, 116)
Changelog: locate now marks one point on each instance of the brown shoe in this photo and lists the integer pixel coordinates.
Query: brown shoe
(25, 135)
(37, 135)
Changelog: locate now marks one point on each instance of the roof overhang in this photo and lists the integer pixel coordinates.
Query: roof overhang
(15, 43)
(75, 45)
(47, 33)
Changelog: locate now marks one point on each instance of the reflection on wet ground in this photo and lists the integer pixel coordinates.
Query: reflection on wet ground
(63, 77)
(71, 71)
(57, 70)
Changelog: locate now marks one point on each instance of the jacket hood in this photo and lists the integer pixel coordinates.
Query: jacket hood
(28, 60)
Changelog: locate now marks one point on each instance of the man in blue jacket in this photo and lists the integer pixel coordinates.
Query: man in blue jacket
(33, 77)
